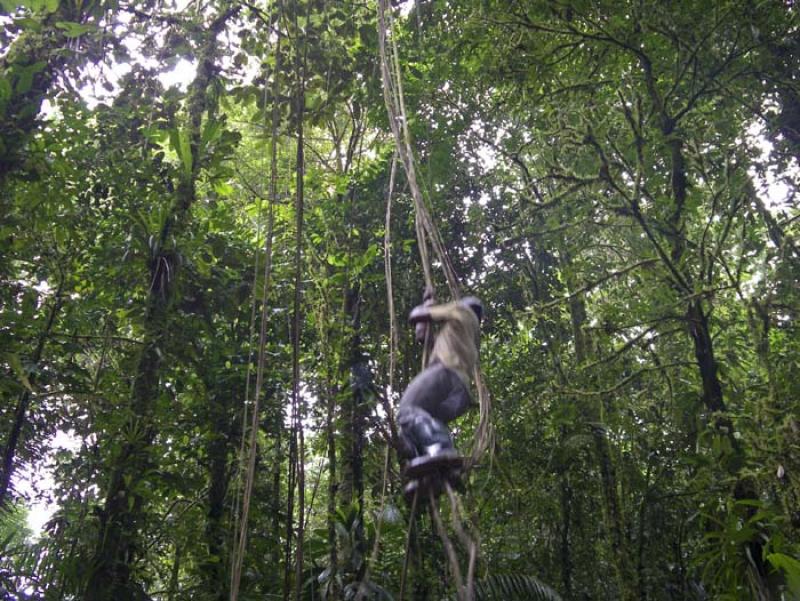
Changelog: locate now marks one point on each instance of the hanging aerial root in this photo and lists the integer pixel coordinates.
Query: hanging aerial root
(407, 554)
(427, 231)
(463, 588)
(456, 511)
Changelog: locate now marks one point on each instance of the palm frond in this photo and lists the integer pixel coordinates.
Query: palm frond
(510, 587)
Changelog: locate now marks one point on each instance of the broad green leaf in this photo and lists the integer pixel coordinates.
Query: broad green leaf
(154, 134)
(336, 260)
(29, 24)
(175, 142)
(48, 6)
(211, 131)
(186, 152)
(790, 566)
(25, 76)
(5, 89)
(19, 370)
(223, 188)
(74, 30)
(179, 140)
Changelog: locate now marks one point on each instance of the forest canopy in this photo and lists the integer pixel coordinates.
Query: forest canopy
(216, 216)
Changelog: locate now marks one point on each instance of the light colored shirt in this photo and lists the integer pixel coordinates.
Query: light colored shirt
(456, 344)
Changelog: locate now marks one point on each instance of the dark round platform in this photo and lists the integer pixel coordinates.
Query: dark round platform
(427, 475)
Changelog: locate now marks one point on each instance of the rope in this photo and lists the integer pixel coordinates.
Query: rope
(456, 510)
(425, 226)
(398, 121)
(450, 551)
(407, 555)
(299, 439)
(241, 518)
(464, 587)
(387, 260)
(428, 233)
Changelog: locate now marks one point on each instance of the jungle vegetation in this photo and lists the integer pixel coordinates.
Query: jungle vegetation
(208, 251)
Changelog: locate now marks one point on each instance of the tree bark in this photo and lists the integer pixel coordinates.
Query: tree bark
(213, 570)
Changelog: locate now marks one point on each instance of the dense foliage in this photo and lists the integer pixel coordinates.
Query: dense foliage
(193, 292)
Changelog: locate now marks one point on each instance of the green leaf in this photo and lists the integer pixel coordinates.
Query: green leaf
(29, 24)
(25, 76)
(223, 189)
(5, 89)
(175, 142)
(211, 131)
(47, 6)
(514, 586)
(154, 134)
(790, 566)
(186, 153)
(74, 30)
(179, 141)
(19, 370)
(33, 5)
(336, 260)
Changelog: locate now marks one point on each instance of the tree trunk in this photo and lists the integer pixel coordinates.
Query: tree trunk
(333, 486)
(354, 418)
(352, 487)
(704, 355)
(117, 542)
(213, 570)
(565, 555)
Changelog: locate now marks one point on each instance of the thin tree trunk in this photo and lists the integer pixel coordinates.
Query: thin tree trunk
(354, 414)
(273, 198)
(565, 554)
(213, 570)
(277, 436)
(704, 355)
(287, 549)
(252, 444)
(297, 321)
(174, 573)
(703, 345)
(355, 370)
(330, 430)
